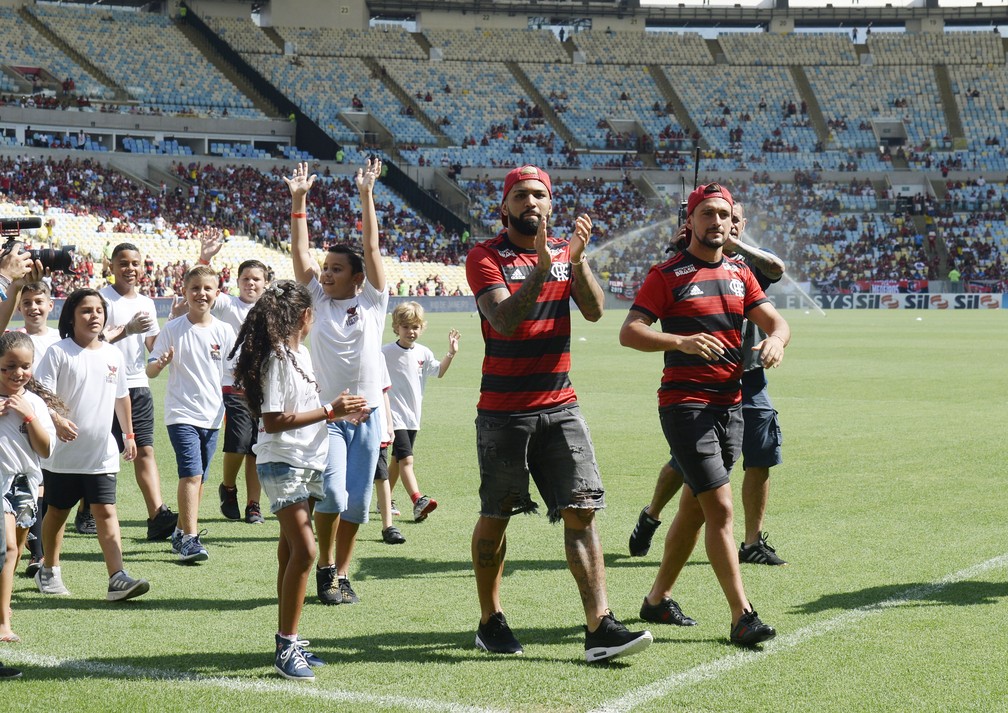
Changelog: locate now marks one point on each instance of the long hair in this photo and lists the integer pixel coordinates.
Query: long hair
(66, 318)
(20, 340)
(268, 326)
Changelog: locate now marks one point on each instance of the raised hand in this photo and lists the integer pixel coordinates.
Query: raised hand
(366, 177)
(453, 341)
(300, 181)
(542, 245)
(211, 243)
(582, 235)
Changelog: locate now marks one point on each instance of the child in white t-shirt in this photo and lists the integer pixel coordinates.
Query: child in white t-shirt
(35, 303)
(133, 329)
(350, 299)
(410, 364)
(239, 426)
(90, 377)
(196, 346)
(274, 369)
(26, 435)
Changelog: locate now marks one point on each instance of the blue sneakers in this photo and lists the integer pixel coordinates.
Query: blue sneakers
(290, 661)
(309, 657)
(192, 550)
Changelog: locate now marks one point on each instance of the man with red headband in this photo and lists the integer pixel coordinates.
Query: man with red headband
(528, 422)
(701, 299)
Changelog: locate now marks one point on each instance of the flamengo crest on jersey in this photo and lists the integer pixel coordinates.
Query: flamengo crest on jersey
(526, 371)
(689, 296)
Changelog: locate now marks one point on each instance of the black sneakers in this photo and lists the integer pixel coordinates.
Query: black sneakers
(496, 637)
(347, 594)
(750, 631)
(391, 536)
(759, 553)
(162, 525)
(229, 502)
(666, 611)
(84, 522)
(328, 590)
(611, 640)
(644, 530)
(8, 672)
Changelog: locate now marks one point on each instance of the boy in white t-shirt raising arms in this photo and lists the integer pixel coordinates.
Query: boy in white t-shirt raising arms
(409, 365)
(196, 346)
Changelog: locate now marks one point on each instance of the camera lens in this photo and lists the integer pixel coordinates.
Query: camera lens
(54, 260)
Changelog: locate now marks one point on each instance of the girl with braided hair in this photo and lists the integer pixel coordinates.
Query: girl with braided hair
(275, 371)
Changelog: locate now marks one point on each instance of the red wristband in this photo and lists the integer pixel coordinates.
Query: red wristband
(130, 436)
(299, 215)
(29, 419)
(201, 261)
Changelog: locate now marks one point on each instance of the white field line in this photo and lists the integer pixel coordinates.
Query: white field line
(243, 685)
(717, 667)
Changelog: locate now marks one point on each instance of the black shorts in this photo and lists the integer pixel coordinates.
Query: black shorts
(381, 468)
(240, 429)
(705, 441)
(64, 490)
(402, 446)
(142, 408)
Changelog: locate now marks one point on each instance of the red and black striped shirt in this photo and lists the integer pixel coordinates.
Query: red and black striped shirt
(690, 296)
(527, 371)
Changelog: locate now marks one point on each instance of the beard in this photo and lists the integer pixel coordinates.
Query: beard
(712, 240)
(526, 225)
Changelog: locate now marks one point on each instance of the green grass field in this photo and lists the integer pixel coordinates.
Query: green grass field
(888, 508)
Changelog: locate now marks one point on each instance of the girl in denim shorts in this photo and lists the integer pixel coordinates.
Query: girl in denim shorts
(275, 371)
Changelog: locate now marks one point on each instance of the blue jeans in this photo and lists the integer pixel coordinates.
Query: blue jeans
(348, 478)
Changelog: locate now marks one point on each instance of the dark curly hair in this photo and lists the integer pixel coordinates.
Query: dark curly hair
(20, 340)
(268, 326)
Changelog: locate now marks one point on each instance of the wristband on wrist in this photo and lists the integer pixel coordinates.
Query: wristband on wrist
(201, 261)
(298, 215)
(129, 436)
(581, 261)
(28, 419)
(330, 412)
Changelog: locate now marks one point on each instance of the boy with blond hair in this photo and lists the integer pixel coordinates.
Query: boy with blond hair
(196, 346)
(409, 365)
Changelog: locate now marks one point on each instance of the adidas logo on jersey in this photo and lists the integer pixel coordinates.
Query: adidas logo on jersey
(695, 291)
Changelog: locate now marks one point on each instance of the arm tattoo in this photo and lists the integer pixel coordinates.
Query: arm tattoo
(511, 312)
(768, 266)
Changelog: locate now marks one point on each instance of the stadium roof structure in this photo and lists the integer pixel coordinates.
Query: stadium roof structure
(713, 12)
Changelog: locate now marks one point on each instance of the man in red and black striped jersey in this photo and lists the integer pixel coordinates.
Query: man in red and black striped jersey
(528, 422)
(701, 299)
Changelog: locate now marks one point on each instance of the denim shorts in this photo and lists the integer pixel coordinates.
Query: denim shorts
(286, 485)
(761, 443)
(554, 448)
(349, 475)
(194, 447)
(21, 500)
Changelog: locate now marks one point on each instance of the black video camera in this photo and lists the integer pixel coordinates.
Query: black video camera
(53, 260)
